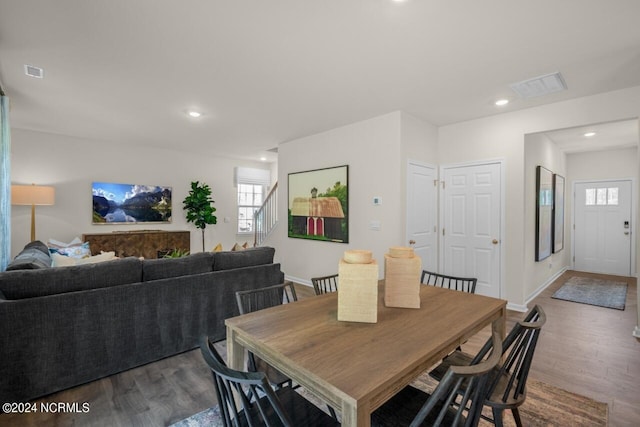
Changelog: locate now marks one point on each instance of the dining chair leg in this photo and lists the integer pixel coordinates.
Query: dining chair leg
(497, 417)
(516, 416)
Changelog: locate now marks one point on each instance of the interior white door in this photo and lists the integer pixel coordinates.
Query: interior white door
(471, 224)
(421, 213)
(602, 221)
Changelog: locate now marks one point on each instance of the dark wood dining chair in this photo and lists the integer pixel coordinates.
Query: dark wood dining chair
(325, 284)
(465, 384)
(507, 387)
(464, 284)
(247, 399)
(259, 299)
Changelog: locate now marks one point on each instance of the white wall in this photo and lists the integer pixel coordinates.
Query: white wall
(602, 165)
(374, 151)
(541, 151)
(503, 136)
(71, 165)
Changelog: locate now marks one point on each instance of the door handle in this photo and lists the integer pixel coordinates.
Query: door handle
(412, 242)
(626, 233)
(495, 241)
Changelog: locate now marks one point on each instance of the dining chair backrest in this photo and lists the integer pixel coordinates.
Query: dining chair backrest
(325, 284)
(259, 299)
(459, 396)
(464, 284)
(269, 296)
(237, 392)
(473, 379)
(508, 386)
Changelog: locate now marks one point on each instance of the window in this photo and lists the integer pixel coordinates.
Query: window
(601, 196)
(250, 197)
(252, 186)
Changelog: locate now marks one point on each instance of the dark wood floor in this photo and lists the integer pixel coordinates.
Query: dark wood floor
(584, 349)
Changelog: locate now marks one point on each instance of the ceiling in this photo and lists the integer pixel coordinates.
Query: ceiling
(266, 72)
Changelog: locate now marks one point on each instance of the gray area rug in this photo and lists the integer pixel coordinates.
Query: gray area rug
(588, 290)
(208, 417)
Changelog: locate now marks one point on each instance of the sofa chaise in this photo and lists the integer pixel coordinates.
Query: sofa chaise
(65, 326)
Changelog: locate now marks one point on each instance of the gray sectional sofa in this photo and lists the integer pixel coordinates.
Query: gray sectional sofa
(66, 326)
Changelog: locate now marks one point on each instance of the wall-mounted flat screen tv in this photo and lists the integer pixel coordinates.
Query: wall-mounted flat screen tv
(130, 203)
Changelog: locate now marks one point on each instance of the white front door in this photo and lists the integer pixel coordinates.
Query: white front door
(421, 213)
(602, 221)
(471, 201)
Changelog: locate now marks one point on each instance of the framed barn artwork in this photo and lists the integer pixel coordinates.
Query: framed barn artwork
(318, 203)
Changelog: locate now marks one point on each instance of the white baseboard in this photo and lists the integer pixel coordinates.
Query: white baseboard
(306, 282)
(636, 332)
(546, 284)
(517, 307)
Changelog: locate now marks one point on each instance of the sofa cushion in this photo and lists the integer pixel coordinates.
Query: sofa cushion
(154, 269)
(245, 258)
(35, 255)
(34, 283)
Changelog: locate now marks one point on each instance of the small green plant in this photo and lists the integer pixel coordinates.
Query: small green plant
(176, 253)
(199, 207)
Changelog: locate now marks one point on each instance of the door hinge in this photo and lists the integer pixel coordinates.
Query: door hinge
(443, 231)
(442, 185)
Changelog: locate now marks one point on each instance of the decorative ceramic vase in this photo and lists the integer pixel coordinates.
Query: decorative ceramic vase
(358, 290)
(402, 269)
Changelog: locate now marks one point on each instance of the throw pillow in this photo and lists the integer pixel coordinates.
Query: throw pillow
(62, 260)
(104, 256)
(76, 251)
(30, 258)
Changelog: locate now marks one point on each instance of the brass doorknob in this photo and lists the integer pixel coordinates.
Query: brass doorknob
(412, 242)
(494, 241)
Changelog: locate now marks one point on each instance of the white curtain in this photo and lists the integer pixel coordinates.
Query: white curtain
(5, 184)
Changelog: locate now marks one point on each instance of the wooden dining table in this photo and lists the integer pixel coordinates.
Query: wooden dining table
(356, 367)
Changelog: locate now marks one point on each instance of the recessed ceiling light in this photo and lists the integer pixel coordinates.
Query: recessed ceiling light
(194, 114)
(502, 102)
(589, 134)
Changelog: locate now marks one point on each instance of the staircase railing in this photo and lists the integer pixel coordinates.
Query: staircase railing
(266, 218)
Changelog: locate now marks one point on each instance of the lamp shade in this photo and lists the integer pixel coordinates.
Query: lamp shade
(32, 195)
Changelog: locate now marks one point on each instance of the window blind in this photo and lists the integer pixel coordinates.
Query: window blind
(253, 176)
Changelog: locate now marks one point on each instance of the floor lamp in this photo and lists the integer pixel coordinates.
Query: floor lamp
(32, 195)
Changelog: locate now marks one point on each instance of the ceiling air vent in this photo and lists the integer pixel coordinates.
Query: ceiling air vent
(33, 71)
(539, 86)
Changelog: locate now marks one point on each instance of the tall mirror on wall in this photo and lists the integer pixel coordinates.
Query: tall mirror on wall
(544, 210)
(558, 213)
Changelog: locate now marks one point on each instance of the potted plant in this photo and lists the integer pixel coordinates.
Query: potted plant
(199, 207)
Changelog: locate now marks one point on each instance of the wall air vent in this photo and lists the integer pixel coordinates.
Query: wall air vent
(33, 71)
(539, 86)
